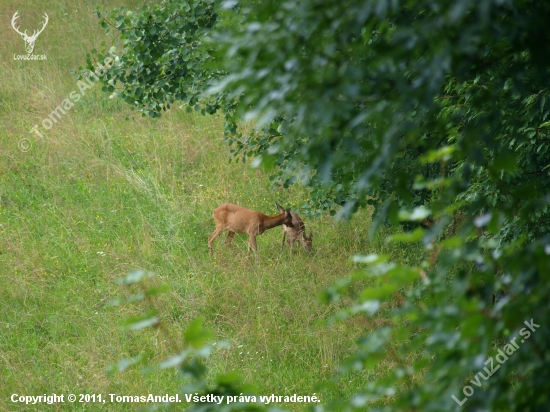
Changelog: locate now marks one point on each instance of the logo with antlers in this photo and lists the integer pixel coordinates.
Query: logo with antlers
(29, 40)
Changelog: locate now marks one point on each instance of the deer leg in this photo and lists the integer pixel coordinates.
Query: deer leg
(213, 237)
(230, 235)
(252, 243)
(290, 243)
(283, 242)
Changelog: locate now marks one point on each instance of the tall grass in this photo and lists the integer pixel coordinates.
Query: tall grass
(100, 195)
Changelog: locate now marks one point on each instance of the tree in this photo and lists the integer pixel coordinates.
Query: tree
(419, 108)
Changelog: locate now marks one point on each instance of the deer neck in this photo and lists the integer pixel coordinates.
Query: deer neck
(273, 221)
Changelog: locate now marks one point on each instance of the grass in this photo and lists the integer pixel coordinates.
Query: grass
(100, 195)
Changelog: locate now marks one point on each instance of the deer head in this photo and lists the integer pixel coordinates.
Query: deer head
(29, 40)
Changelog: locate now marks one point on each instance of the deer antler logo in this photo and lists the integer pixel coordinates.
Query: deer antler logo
(29, 40)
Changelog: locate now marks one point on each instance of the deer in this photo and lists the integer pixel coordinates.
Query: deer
(237, 219)
(296, 232)
(29, 40)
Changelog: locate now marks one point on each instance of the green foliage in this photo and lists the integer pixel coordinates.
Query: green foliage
(160, 53)
(189, 362)
(408, 106)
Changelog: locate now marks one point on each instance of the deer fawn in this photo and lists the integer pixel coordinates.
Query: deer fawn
(238, 219)
(296, 232)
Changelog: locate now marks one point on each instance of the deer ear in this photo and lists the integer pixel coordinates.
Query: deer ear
(279, 207)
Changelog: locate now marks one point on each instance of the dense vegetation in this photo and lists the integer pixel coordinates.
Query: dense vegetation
(420, 108)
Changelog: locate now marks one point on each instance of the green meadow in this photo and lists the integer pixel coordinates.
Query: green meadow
(105, 191)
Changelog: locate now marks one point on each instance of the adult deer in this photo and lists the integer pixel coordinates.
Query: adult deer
(237, 219)
(296, 232)
(29, 40)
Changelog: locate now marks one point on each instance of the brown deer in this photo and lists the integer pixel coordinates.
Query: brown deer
(238, 219)
(296, 232)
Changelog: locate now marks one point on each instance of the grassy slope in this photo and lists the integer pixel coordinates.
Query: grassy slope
(101, 195)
